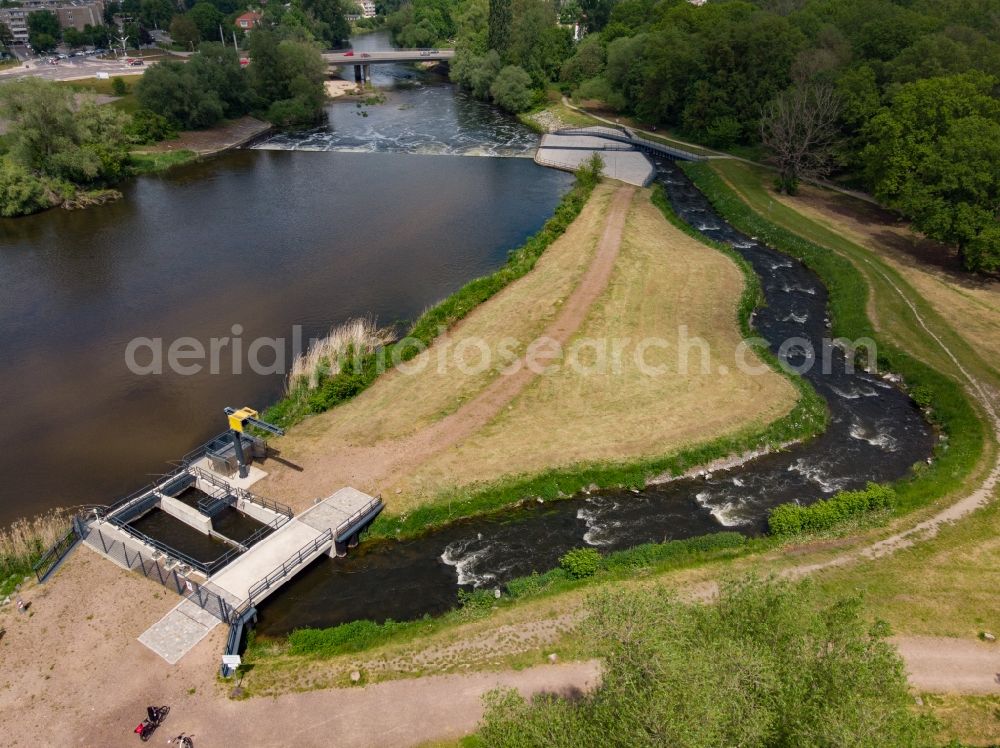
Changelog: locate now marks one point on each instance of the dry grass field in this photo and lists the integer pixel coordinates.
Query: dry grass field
(659, 280)
(663, 279)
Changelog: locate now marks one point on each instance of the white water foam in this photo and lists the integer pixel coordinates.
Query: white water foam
(854, 393)
(779, 265)
(456, 555)
(746, 245)
(793, 317)
(725, 514)
(789, 289)
(816, 475)
(881, 439)
(599, 531)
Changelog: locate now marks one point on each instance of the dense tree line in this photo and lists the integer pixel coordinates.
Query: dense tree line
(898, 97)
(284, 83)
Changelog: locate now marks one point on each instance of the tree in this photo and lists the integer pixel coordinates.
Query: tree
(6, 35)
(475, 72)
(185, 32)
(287, 78)
(171, 90)
(51, 133)
(156, 13)
(207, 19)
(934, 154)
(799, 128)
(512, 89)
(330, 13)
(74, 38)
(44, 31)
(767, 664)
(500, 18)
(21, 192)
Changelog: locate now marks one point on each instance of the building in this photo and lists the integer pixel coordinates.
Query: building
(367, 8)
(77, 14)
(248, 20)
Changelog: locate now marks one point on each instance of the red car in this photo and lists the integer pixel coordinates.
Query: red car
(349, 53)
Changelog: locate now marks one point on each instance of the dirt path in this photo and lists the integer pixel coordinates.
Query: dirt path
(377, 467)
(943, 665)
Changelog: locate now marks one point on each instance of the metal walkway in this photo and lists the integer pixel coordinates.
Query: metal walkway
(625, 135)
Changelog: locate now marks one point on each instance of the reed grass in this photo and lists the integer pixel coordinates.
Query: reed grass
(24, 541)
(329, 355)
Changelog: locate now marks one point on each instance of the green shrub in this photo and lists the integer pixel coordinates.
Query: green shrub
(791, 519)
(21, 192)
(118, 86)
(149, 127)
(580, 563)
(348, 637)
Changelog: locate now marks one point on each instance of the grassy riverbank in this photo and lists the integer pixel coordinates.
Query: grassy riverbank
(944, 400)
(957, 464)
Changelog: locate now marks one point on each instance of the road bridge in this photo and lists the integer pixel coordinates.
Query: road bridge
(363, 60)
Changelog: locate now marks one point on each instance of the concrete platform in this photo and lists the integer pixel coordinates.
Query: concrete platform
(569, 152)
(235, 580)
(263, 558)
(254, 474)
(335, 509)
(177, 633)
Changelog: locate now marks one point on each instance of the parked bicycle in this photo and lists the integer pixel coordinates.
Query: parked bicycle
(154, 718)
(183, 741)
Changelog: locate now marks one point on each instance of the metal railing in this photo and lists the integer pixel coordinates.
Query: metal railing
(282, 571)
(346, 525)
(153, 568)
(623, 135)
(205, 567)
(56, 553)
(275, 506)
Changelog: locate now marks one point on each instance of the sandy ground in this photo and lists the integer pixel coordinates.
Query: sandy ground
(335, 88)
(204, 142)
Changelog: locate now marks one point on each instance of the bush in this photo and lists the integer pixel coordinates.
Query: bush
(118, 86)
(581, 563)
(791, 519)
(511, 90)
(769, 664)
(149, 127)
(21, 192)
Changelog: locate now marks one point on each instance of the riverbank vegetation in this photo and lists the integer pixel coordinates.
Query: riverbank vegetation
(284, 85)
(23, 542)
(899, 99)
(764, 664)
(354, 376)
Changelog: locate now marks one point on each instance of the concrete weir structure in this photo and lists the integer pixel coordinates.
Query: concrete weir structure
(223, 589)
(622, 151)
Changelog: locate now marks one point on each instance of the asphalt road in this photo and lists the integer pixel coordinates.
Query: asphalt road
(71, 69)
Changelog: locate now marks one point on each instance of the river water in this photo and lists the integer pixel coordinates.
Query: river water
(875, 434)
(259, 239)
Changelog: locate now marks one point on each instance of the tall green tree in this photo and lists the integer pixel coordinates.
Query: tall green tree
(500, 19)
(52, 134)
(185, 32)
(767, 664)
(44, 31)
(934, 154)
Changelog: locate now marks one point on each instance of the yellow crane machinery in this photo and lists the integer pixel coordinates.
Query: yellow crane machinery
(241, 420)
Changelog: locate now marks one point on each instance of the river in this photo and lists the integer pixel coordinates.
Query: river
(256, 240)
(875, 433)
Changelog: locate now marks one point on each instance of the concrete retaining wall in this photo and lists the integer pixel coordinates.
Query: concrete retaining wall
(188, 515)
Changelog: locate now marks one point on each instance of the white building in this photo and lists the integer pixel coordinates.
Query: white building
(367, 8)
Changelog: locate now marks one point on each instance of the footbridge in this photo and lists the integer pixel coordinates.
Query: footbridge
(627, 136)
(363, 60)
